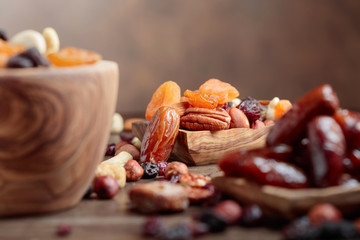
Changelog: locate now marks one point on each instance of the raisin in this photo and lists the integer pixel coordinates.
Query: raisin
(71, 56)
(201, 100)
(214, 221)
(263, 170)
(3, 35)
(20, 62)
(151, 170)
(327, 150)
(222, 91)
(110, 149)
(160, 135)
(166, 94)
(288, 129)
(35, 56)
(252, 109)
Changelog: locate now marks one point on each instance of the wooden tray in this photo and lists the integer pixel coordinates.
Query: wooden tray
(289, 203)
(206, 147)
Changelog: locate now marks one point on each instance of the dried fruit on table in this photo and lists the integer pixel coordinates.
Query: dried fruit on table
(106, 187)
(223, 91)
(151, 170)
(71, 56)
(201, 100)
(263, 170)
(166, 94)
(327, 151)
(160, 135)
(320, 101)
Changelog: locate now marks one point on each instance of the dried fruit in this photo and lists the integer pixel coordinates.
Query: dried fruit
(106, 187)
(320, 101)
(324, 212)
(160, 135)
(71, 56)
(151, 170)
(213, 220)
(63, 230)
(175, 168)
(277, 108)
(10, 49)
(350, 124)
(229, 210)
(110, 149)
(201, 100)
(134, 171)
(162, 168)
(252, 109)
(327, 151)
(263, 170)
(252, 215)
(153, 226)
(300, 229)
(19, 62)
(35, 56)
(166, 94)
(223, 91)
(352, 162)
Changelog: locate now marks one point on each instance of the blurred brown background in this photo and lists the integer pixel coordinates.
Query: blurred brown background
(264, 48)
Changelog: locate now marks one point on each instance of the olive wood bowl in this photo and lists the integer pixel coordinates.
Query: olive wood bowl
(207, 147)
(288, 203)
(54, 126)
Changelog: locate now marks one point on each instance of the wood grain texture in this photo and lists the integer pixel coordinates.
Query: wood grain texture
(289, 203)
(54, 126)
(206, 147)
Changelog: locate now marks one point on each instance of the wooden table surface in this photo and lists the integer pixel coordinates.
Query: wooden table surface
(112, 219)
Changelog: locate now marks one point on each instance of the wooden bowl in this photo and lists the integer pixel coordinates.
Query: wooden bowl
(54, 126)
(288, 203)
(206, 147)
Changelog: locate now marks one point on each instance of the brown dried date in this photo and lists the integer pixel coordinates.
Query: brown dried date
(350, 124)
(320, 101)
(327, 150)
(160, 135)
(263, 170)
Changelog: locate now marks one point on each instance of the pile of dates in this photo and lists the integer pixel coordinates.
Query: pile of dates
(315, 144)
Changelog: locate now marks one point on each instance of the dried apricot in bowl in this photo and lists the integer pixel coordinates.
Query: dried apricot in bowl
(71, 56)
(223, 91)
(166, 94)
(201, 100)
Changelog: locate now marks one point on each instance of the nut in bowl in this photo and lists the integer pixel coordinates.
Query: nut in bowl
(54, 126)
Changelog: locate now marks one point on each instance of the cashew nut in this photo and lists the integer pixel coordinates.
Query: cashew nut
(30, 38)
(52, 40)
(117, 123)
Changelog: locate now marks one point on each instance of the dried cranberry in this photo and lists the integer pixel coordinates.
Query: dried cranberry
(110, 149)
(252, 215)
(153, 226)
(214, 221)
(35, 56)
(106, 187)
(63, 230)
(151, 170)
(19, 62)
(162, 167)
(3, 35)
(252, 109)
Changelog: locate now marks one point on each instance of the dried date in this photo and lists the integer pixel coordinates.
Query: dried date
(350, 124)
(327, 150)
(320, 101)
(160, 135)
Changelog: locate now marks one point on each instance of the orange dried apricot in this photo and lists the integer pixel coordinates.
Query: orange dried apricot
(281, 108)
(71, 56)
(224, 92)
(3, 60)
(166, 94)
(201, 100)
(10, 49)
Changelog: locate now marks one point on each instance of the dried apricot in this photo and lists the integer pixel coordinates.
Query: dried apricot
(201, 100)
(166, 94)
(282, 107)
(10, 49)
(224, 92)
(71, 56)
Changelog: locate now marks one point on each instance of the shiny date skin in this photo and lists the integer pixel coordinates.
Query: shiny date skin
(349, 122)
(160, 135)
(320, 101)
(327, 150)
(265, 171)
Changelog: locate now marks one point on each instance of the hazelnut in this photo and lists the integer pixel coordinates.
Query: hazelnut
(229, 210)
(324, 212)
(130, 149)
(175, 168)
(106, 187)
(120, 144)
(134, 171)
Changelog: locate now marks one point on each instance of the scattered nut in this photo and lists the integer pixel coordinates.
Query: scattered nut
(229, 210)
(116, 171)
(175, 168)
(117, 125)
(238, 118)
(120, 144)
(30, 38)
(324, 212)
(134, 171)
(135, 153)
(158, 197)
(136, 142)
(105, 187)
(52, 40)
(128, 123)
(205, 119)
(120, 158)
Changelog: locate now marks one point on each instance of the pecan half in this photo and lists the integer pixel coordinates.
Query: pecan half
(205, 119)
